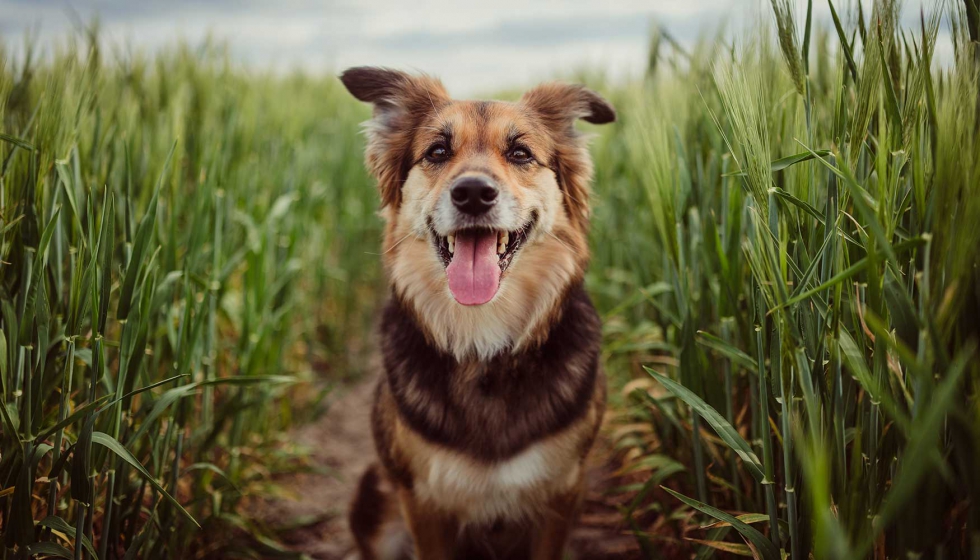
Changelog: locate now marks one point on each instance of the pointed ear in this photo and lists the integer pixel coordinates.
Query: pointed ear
(401, 101)
(563, 103)
(385, 87)
(558, 106)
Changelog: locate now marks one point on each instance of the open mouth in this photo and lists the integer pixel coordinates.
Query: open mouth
(476, 257)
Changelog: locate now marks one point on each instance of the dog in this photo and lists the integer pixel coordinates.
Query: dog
(492, 393)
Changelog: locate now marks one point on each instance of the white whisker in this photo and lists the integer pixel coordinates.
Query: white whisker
(558, 239)
(392, 248)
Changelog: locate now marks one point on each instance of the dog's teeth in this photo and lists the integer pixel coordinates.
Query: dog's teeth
(451, 239)
(503, 238)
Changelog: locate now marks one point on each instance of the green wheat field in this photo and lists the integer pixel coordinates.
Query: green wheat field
(786, 257)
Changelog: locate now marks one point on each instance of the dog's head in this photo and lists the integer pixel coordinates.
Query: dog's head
(486, 202)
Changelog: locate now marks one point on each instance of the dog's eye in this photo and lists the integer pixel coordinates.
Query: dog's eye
(520, 155)
(438, 153)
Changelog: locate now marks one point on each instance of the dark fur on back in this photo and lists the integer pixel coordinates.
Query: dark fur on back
(493, 410)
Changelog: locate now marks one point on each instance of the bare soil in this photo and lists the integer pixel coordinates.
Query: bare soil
(313, 520)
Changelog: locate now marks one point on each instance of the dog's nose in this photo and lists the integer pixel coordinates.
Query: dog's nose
(473, 195)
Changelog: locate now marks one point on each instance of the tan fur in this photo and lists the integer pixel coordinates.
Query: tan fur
(441, 490)
(555, 255)
(529, 290)
(475, 492)
(450, 490)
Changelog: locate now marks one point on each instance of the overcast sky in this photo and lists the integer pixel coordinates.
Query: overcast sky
(475, 47)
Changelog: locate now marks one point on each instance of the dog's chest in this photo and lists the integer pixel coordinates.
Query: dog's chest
(481, 492)
(498, 410)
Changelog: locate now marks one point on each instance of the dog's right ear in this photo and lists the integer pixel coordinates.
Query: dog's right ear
(400, 102)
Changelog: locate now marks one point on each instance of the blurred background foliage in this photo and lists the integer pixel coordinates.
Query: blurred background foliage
(183, 243)
(785, 256)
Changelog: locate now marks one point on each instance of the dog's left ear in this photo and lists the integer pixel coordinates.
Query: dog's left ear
(558, 106)
(561, 104)
(401, 101)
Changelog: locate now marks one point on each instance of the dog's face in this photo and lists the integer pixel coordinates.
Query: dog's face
(486, 202)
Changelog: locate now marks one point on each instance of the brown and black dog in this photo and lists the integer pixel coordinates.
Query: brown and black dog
(493, 391)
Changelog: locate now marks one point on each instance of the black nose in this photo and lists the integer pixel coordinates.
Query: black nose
(474, 195)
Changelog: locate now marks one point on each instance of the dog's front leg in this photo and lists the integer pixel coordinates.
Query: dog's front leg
(555, 527)
(433, 531)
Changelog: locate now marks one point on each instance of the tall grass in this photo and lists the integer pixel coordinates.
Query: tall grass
(785, 236)
(810, 289)
(182, 243)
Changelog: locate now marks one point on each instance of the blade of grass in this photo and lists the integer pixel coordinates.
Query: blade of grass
(766, 549)
(724, 430)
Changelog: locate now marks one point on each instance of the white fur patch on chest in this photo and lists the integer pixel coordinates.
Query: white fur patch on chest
(482, 492)
(456, 473)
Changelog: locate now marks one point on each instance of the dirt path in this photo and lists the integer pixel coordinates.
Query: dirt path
(314, 520)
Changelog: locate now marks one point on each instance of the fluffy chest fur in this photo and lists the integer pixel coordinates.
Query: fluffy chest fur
(493, 410)
(516, 488)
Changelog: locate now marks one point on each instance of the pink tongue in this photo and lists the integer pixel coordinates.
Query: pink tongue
(474, 274)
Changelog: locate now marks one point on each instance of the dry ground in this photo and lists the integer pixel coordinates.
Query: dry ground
(313, 519)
